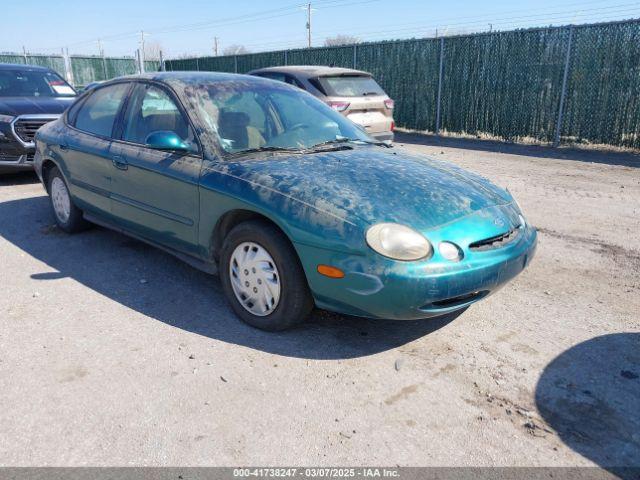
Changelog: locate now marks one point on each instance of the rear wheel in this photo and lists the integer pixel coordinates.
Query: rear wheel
(262, 277)
(68, 216)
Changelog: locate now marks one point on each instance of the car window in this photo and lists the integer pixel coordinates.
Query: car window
(33, 83)
(98, 112)
(273, 76)
(72, 113)
(151, 109)
(242, 120)
(255, 115)
(350, 86)
(294, 81)
(290, 114)
(282, 77)
(248, 104)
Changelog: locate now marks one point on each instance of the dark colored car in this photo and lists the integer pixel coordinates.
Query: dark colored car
(30, 96)
(289, 201)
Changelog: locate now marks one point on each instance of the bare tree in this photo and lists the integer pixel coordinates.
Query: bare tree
(235, 50)
(152, 50)
(340, 40)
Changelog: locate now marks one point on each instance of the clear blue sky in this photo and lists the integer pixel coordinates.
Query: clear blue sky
(189, 26)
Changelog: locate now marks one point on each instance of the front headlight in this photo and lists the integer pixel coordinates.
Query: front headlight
(6, 118)
(398, 242)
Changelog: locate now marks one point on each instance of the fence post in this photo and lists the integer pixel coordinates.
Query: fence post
(68, 68)
(104, 66)
(235, 63)
(355, 55)
(438, 101)
(285, 58)
(197, 64)
(556, 139)
(162, 66)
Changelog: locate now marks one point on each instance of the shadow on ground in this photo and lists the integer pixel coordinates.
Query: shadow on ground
(161, 287)
(608, 157)
(590, 394)
(17, 178)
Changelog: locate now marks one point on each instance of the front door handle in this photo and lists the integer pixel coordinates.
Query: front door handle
(120, 162)
(64, 147)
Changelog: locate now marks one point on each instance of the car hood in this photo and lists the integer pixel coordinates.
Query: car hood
(368, 185)
(30, 105)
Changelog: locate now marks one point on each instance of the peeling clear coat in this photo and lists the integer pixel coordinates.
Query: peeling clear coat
(324, 202)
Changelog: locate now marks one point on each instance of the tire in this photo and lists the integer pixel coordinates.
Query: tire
(280, 275)
(68, 217)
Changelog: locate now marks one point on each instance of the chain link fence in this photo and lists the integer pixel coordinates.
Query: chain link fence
(82, 70)
(559, 85)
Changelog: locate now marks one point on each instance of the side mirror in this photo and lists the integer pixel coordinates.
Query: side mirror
(166, 140)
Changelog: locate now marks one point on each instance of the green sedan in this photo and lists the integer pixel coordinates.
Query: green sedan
(289, 202)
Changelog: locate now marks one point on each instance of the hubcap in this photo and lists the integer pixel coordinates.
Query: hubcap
(60, 200)
(255, 279)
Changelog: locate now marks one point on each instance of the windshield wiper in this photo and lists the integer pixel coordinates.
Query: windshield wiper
(343, 140)
(266, 148)
(333, 142)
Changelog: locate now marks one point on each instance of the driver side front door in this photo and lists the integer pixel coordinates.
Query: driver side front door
(155, 192)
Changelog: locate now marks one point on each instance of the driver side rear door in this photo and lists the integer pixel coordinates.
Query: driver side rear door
(155, 192)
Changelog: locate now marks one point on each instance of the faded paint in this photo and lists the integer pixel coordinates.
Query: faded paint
(324, 202)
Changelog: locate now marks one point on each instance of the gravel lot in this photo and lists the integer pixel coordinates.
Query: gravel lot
(114, 353)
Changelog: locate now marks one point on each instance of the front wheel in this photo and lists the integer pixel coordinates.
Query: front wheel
(262, 277)
(68, 216)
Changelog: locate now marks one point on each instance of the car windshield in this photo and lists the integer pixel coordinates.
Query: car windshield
(350, 86)
(250, 116)
(33, 83)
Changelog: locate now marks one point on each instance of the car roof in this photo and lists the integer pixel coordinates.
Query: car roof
(187, 77)
(181, 79)
(312, 70)
(22, 66)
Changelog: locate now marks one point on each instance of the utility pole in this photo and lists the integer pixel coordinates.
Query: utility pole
(142, 54)
(215, 46)
(24, 54)
(104, 60)
(309, 25)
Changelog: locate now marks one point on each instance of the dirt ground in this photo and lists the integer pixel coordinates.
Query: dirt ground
(114, 353)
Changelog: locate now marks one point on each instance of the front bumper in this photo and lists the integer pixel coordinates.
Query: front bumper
(17, 153)
(14, 156)
(376, 287)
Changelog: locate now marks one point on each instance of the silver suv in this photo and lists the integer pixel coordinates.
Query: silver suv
(353, 93)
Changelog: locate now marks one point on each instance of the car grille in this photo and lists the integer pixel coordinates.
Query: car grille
(496, 242)
(26, 128)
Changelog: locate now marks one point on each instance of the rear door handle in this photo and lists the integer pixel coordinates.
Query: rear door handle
(120, 162)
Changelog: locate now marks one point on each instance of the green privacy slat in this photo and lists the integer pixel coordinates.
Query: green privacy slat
(603, 87)
(506, 85)
(10, 58)
(54, 62)
(91, 69)
(335, 56)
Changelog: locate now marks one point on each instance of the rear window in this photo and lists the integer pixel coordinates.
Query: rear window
(350, 86)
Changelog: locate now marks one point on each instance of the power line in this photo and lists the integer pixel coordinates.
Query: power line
(256, 16)
(514, 20)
